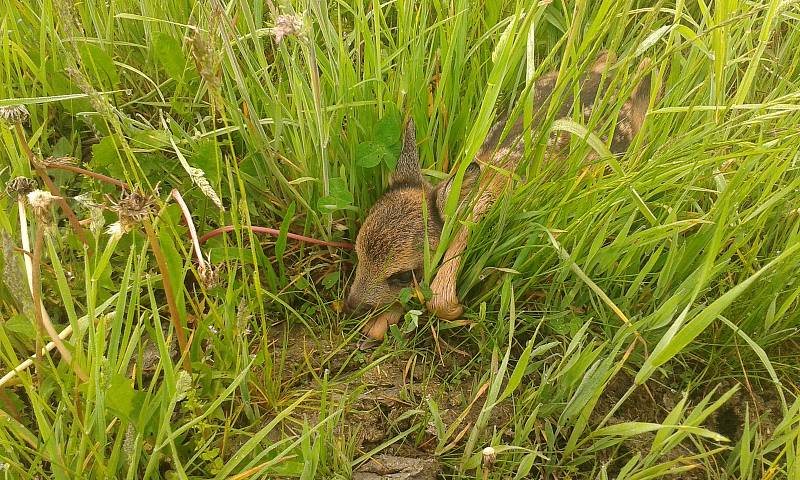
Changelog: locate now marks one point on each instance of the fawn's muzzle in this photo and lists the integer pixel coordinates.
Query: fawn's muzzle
(354, 305)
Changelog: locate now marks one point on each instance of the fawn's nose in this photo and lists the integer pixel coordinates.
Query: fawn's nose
(352, 304)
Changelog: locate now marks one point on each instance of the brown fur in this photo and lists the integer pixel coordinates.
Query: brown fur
(391, 240)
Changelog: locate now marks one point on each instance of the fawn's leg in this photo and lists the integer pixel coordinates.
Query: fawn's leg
(377, 327)
(444, 302)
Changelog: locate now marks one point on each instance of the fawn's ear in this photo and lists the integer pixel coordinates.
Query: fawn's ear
(407, 171)
(442, 190)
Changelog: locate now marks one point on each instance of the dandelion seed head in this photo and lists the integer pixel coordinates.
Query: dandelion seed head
(14, 114)
(40, 201)
(20, 186)
(132, 209)
(288, 25)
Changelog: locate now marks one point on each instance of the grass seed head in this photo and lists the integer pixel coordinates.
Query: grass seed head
(205, 61)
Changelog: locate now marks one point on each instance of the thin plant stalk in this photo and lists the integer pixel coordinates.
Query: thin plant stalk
(170, 294)
(274, 232)
(26, 248)
(192, 231)
(33, 270)
(88, 173)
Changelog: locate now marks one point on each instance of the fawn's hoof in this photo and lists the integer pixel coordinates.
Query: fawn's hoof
(446, 310)
(376, 328)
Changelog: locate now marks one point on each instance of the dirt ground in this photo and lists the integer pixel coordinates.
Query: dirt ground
(385, 400)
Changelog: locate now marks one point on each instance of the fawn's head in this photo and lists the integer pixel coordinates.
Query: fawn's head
(390, 244)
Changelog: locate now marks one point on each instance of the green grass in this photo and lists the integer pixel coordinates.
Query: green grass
(633, 319)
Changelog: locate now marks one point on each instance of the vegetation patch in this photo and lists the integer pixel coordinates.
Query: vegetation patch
(184, 185)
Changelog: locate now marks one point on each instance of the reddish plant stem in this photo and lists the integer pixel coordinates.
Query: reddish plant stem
(88, 173)
(171, 304)
(274, 232)
(54, 190)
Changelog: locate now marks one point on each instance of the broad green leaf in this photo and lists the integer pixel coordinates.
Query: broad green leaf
(525, 465)
(106, 158)
(150, 139)
(388, 128)
(331, 279)
(97, 61)
(123, 400)
(369, 154)
(169, 53)
(339, 198)
(205, 157)
(20, 325)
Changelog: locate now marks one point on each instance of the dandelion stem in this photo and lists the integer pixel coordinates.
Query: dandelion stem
(54, 190)
(88, 173)
(26, 247)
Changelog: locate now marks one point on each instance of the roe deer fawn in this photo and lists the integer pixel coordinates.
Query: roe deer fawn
(389, 245)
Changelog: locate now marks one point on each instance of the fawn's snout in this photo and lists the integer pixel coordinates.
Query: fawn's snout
(354, 305)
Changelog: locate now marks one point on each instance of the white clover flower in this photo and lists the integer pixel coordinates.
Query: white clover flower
(132, 208)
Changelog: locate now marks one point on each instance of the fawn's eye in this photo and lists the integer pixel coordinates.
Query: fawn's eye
(402, 279)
